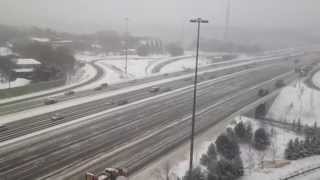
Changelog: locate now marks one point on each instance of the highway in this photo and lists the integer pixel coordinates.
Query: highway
(14, 107)
(35, 123)
(50, 154)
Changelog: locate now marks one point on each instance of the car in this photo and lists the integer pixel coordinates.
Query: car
(3, 128)
(98, 88)
(69, 93)
(104, 85)
(49, 101)
(122, 102)
(263, 92)
(56, 117)
(154, 89)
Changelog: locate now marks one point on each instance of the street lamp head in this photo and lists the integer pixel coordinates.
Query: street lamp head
(199, 20)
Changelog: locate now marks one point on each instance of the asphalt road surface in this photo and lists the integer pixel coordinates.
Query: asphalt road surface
(28, 125)
(42, 155)
(13, 107)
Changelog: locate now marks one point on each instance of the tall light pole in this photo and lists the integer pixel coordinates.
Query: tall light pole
(198, 21)
(226, 31)
(126, 45)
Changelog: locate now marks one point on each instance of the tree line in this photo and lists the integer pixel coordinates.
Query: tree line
(222, 161)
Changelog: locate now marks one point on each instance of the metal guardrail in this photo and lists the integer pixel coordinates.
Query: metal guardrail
(301, 172)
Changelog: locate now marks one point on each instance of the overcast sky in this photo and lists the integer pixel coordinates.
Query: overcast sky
(92, 15)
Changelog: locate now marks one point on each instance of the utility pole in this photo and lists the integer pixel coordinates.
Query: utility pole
(226, 31)
(198, 21)
(126, 45)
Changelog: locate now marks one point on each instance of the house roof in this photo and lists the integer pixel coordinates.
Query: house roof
(22, 61)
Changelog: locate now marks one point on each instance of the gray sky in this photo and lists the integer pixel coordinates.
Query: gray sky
(152, 15)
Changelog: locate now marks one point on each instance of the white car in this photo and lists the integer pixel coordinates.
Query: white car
(56, 117)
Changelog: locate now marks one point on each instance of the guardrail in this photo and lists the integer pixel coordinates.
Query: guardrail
(301, 172)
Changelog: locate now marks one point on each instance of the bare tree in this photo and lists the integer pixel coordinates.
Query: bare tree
(261, 156)
(274, 146)
(162, 172)
(251, 162)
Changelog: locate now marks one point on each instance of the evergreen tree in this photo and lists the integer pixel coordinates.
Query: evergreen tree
(240, 131)
(227, 147)
(249, 134)
(261, 139)
(289, 151)
(299, 126)
(211, 155)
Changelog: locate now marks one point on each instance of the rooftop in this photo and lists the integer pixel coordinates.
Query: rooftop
(22, 61)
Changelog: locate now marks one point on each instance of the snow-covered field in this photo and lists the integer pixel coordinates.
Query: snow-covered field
(316, 79)
(184, 64)
(297, 102)
(17, 83)
(178, 161)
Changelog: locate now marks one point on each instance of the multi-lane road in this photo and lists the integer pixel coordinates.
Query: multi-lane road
(100, 133)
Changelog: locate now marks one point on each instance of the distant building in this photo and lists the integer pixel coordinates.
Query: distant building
(62, 43)
(25, 63)
(40, 40)
(25, 67)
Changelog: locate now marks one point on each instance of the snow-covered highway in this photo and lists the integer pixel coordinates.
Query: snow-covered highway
(82, 142)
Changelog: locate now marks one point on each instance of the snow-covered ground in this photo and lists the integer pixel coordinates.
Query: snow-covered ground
(316, 79)
(17, 83)
(249, 156)
(178, 161)
(90, 73)
(83, 73)
(297, 102)
(184, 64)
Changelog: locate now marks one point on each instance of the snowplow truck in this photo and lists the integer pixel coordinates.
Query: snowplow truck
(108, 174)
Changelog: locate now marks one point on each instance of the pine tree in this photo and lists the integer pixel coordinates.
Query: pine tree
(299, 126)
(289, 151)
(261, 139)
(211, 155)
(249, 134)
(227, 147)
(294, 125)
(240, 131)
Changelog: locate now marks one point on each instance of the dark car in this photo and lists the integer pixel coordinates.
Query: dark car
(49, 101)
(104, 85)
(263, 92)
(122, 102)
(69, 93)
